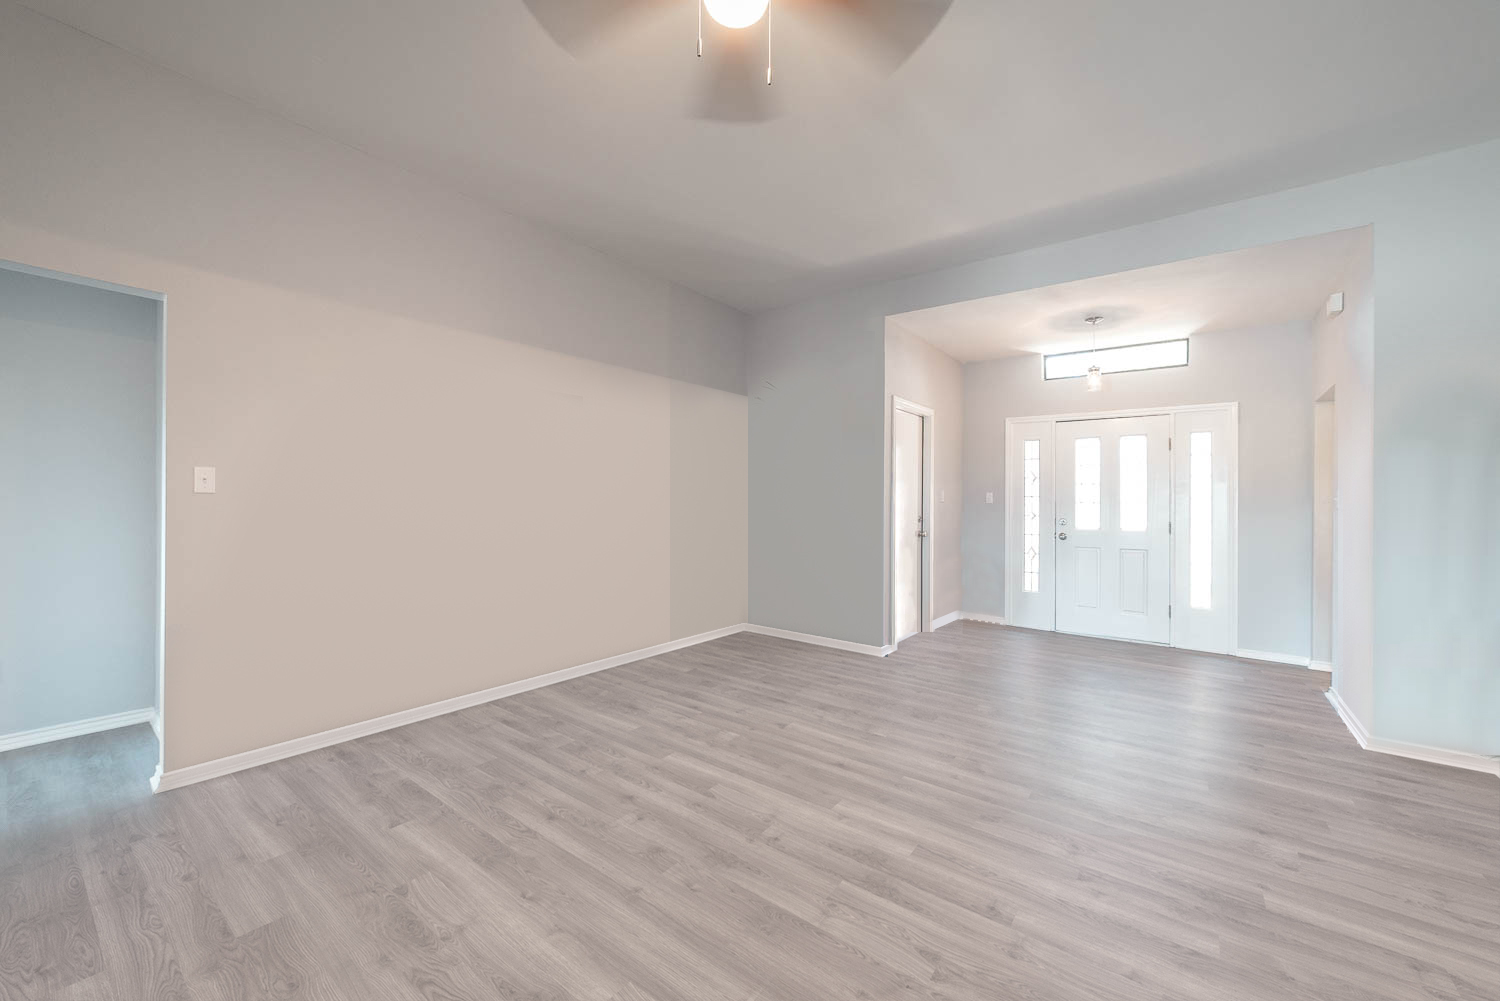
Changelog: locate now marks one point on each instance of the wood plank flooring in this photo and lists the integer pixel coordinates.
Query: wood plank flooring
(990, 813)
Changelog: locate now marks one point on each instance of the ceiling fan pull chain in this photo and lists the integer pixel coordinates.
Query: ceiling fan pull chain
(700, 29)
(768, 44)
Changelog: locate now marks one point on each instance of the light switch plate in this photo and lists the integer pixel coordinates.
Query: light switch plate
(204, 479)
(989, 497)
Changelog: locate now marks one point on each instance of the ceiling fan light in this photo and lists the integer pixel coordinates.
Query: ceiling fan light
(736, 13)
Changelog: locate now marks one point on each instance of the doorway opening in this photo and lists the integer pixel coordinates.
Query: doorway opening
(911, 518)
(81, 510)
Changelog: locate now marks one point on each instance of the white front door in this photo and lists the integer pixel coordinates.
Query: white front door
(1113, 547)
(908, 521)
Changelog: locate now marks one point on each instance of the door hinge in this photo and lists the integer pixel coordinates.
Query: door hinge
(1169, 611)
(1169, 528)
(1169, 444)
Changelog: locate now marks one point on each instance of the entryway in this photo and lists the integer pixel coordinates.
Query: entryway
(81, 505)
(1113, 514)
(1125, 523)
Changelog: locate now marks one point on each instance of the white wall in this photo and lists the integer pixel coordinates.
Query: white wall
(918, 372)
(444, 436)
(78, 502)
(1266, 371)
(816, 446)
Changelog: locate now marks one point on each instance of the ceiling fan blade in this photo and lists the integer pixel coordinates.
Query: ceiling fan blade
(894, 28)
(733, 66)
(578, 24)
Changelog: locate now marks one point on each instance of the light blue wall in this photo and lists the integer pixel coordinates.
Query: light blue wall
(816, 441)
(78, 502)
(1437, 453)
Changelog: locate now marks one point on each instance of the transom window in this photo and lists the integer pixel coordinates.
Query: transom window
(1126, 358)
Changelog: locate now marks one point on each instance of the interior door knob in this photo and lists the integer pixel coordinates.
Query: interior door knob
(921, 535)
(1062, 536)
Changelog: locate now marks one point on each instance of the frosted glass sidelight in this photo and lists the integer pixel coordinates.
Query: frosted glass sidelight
(1086, 484)
(1133, 483)
(1031, 543)
(1201, 519)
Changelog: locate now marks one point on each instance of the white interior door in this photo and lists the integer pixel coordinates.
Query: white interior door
(908, 521)
(1114, 497)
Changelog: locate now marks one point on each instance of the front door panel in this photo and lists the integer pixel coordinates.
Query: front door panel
(1114, 496)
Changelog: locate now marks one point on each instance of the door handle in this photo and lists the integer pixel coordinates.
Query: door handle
(1062, 536)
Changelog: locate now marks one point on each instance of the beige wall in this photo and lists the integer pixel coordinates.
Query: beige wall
(1324, 483)
(920, 373)
(710, 504)
(445, 438)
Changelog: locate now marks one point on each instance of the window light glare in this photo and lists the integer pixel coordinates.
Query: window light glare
(736, 13)
(1125, 358)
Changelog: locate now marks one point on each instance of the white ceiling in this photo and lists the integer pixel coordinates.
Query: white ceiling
(1015, 124)
(1242, 290)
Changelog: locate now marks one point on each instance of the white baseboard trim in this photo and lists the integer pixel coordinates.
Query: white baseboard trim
(179, 777)
(1420, 752)
(994, 620)
(1274, 658)
(943, 620)
(1325, 666)
(156, 723)
(848, 645)
(1350, 720)
(62, 731)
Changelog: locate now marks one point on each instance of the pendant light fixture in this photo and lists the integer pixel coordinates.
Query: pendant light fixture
(1095, 380)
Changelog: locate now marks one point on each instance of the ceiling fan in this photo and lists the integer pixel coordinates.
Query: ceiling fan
(735, 38)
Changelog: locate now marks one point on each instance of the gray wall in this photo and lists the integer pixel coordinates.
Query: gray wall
(918, 372)
(1266, 371)
(817, 484)
(78, 502)
(817, 448)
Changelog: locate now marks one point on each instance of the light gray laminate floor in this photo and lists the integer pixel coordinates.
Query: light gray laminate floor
(990, 813)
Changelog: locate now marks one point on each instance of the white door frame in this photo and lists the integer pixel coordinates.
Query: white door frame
(929, 517)
(1012, 530)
